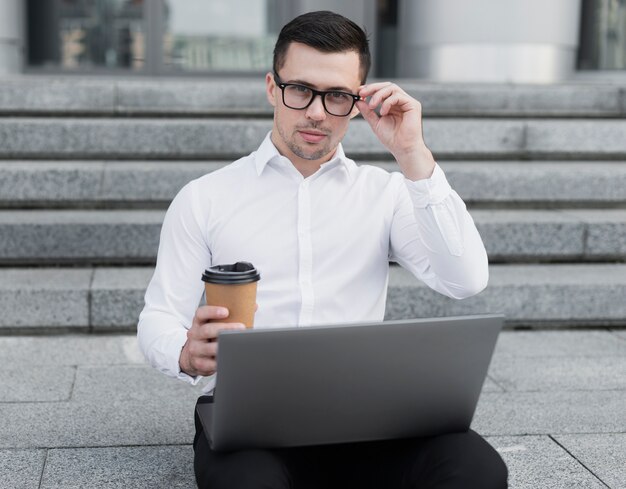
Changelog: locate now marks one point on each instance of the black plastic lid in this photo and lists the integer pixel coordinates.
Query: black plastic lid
(241, 272)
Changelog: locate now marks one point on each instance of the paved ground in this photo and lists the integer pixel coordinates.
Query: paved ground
(85, 411)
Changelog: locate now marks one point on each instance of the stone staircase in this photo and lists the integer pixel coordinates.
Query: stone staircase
(88, 167)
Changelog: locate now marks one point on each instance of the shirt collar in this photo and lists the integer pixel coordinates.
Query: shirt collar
(267, 152)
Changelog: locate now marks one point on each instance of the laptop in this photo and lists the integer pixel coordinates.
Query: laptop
(289, 387)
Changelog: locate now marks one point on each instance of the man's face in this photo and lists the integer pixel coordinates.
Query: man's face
(309, 137)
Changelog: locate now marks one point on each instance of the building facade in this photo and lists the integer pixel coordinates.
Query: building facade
(440, 40)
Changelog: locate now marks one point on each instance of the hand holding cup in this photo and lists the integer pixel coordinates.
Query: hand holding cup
(231, 303)
(199, 355)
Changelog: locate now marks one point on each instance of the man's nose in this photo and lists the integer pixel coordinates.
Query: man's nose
(316, 110)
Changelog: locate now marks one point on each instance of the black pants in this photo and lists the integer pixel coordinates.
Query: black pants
(461, 460)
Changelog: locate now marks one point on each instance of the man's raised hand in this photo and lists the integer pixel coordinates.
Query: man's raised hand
(398, 127)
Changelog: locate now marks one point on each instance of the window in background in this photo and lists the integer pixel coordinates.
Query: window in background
(603, 35)
(219, 35)
(80, 35)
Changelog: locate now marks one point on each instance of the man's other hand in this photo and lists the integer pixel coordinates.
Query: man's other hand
(199, 354)
(398, 127)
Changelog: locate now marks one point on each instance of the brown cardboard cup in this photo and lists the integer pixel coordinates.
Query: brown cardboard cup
(234, 287)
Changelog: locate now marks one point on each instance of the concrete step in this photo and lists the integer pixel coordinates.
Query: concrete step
(108, 299)
(187, 138)
(114, 96)
(547, 184)
(47, 237)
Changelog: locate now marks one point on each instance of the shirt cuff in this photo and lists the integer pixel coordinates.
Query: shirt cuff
(171, 346)
(429, 191)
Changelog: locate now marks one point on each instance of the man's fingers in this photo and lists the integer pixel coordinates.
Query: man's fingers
(389, 103)
(202, 345)
(386, 96)
(209, 331)
(205, 366)
(202, 349)
(367, 90)
(206, 313)
(380, 95)
(206, 346)
(368, 114)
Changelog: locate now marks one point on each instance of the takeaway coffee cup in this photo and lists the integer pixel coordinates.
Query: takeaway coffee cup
(234, 287)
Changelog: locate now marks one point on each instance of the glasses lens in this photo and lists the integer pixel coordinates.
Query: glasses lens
(338, 103)
(297, 96)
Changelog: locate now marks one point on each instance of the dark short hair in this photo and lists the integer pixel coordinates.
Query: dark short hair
(327, 32)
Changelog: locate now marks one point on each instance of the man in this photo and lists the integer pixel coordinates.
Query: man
(322, 231)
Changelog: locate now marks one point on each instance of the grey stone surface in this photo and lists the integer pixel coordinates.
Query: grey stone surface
(79, 236)
(221, 96)
(53, 183)
(44, 298)
(39, 182)
(620, 333)
(532, 374)
(130, 383)
(117, 297)
(605, 232)
(96, 423)
(515, 235)
(547, 183)
(532, 295)
(46, 94)
(537, 461)
(459, 138)
(515, 99)
(150, 181)
(69, 350)
(129, 138)
(559, 344)
(542, 413)
(491, 386)
(21, 469)
(604, 455)
(36, 383)
(120, 467)
(580, 138)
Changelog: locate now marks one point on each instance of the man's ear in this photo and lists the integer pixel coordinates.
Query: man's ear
(270, 89)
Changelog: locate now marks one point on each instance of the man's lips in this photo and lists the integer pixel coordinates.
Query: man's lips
(311, 136)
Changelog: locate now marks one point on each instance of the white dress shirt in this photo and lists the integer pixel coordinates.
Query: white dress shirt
(322, 245)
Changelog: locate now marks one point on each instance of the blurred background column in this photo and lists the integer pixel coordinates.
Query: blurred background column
(532, 41)
(11, 37)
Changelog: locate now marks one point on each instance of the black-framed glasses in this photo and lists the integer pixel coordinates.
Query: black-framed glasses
(299, 97)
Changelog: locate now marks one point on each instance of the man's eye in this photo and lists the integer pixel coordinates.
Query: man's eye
(300, 89)
(338, 96)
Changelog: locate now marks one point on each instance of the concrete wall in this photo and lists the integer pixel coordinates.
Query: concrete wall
(488, 40)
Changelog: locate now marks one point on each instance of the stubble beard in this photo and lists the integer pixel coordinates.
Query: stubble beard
(300, 151)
